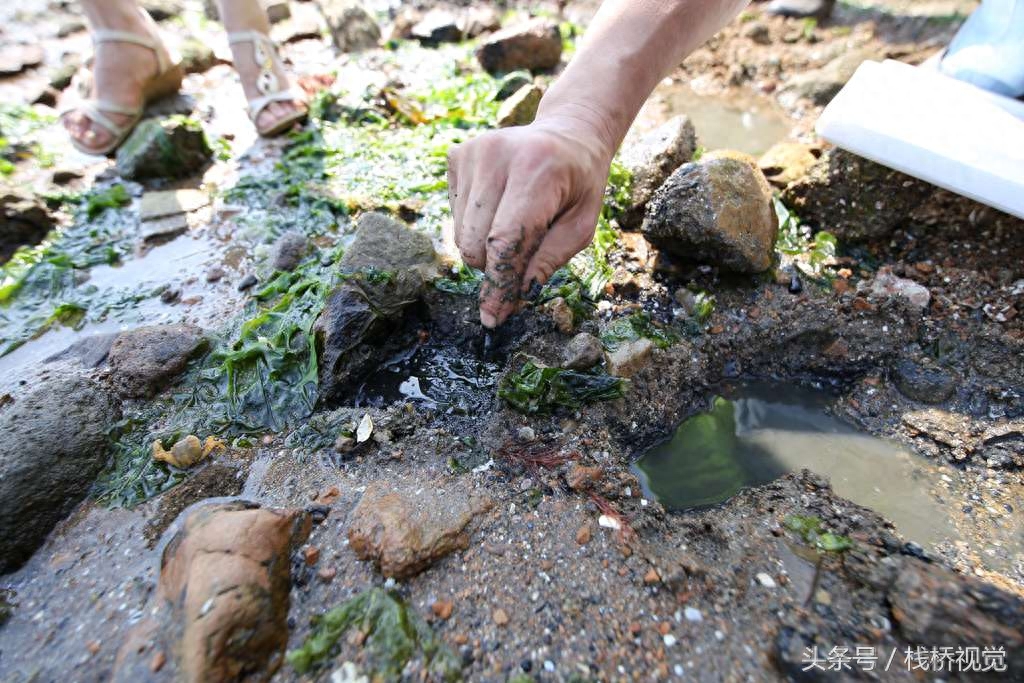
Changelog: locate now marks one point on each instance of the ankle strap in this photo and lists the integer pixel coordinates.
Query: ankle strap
(108, 35)
(248, 37)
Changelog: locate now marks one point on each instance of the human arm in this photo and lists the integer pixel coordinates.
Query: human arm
(526, 199)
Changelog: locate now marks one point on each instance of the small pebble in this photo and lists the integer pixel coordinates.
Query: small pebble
(500, 617)
(247, 282)
(693, 614)
(668, 639)
(765, 580)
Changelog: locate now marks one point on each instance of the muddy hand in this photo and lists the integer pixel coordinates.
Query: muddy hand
(525, 201)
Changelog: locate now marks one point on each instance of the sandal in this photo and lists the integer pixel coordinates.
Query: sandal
(166, 82)
(264, 54)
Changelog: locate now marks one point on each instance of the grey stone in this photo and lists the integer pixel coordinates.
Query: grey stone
(437, 26)
(521, 108)
(159, 230)
(715, 211)
(651, 160)
(175, 147)
(821, 85)
(855, 199)
(630, 357)
(277, 11)
(54, 445)
(385, 244)
(758, 32)
(288, 250)
(476, 21)
(352, 26)
(535, 45)
(164, 203)
(145, 360)
(924, 384)
(584, 352)
(91, 351)
(24, 220)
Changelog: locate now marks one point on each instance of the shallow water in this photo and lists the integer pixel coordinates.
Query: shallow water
(756, 433)
(736, 120)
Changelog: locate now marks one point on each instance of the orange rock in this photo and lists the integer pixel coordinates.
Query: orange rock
(500, 617)
(652, 577)
(311, 554)
(581, 478)
(158, 661)
(442, 609)
(328, 496)
(583, 535)
(327, 574)
(664, 628)
(635, 628)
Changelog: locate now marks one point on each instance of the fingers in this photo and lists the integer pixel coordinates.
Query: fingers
(567, 237)
(478, 216)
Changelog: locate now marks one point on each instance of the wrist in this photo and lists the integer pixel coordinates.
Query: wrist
(584, 123)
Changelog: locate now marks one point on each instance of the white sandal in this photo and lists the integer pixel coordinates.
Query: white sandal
(166, 82)
(264, 54)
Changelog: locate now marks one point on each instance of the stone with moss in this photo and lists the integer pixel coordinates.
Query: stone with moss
(174, 147)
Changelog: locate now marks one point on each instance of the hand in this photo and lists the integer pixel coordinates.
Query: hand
(525, 201)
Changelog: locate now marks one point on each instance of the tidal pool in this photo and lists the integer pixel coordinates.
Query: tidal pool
(755, 433)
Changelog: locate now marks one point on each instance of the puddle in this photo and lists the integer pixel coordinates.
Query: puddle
(439, 379)
(737, 120)
(758, 432)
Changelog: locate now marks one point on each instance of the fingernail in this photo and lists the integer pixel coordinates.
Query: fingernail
(488, 320)
(534, 291)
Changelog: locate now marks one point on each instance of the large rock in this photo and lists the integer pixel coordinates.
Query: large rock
(289, 249)
(855, 199)
(352, 26)
(145, 360)
(535, 45)
(405, 531)
(175, 147)
(651, 160)
(437, 26)
(717, 210)
(223, 596)
(923, 383)
(24, 220)
(821, 85)
(54, 445)
(788, 161)
(385, 244)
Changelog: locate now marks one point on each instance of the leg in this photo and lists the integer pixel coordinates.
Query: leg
(249, 15)
(120, 70)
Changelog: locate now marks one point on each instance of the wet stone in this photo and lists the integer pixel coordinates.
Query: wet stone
(584, 352)
(476, 21)
(24, 220)
(922, 383)
(90, 352)
(174, 147)
(716, 211)
(145, 360)
(289, 250)
(54, 445)
(405, 530)
(512, 83)
(535, 45)
(162, 9)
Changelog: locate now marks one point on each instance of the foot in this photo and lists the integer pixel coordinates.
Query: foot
(119, 74)
(802, 9)
(988, 50)
(249, 73)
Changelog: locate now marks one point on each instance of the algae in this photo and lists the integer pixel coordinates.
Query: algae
(535, 389)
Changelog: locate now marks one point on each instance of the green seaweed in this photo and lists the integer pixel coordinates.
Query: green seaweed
(811, 530)
(535, 389)
(463, 281)
(96, 202)
(394, 635)
(811, 252)
(637, 326)
(566, 285)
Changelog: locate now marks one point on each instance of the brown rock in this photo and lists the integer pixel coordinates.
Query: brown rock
(561, 314)
(535, 45)
(788, 161)
(442, 609)
(521, 108)
(327, 574)
(630, 357)
(582, 478)
(584, 534)
(651, 159)
(311, 555)
(406, 530)
(652, 577)
(145, 360)
(500, 617)
(223, 593)
(718, 211)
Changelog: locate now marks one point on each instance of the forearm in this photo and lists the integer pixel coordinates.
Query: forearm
(627, 50)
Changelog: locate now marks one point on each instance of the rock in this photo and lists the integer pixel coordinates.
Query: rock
(535, 45)
(404, 531)
(61, 76)
(223, 595)
(888, 286)
(289, 249)
(437, 26)
(70, 27)
(171, 202)
(718, 211)
(65, 176)
(15, 58)
(651, 160)
(521, 108)
(821, 85)
(853, 198)
(561, 315)
(24, 220)
(630, 357)
(932, 605)
(196, 56)
(500, 617)
(765, 580)
(277, 11)
(442, 609)
(758, 32)
(386, 244)
(584, 534)
(788, 161)
(210, 10)
(305, 23)
(160, 230)
(162, 9)
(54, 445)
(174, 147)
(90, 352)
(583, 478)
(924, 384)
(584, 352)
(802, 9)
(47, 97)
(247, 282)
(1003, 445)
(352, 26)
(476, 21)
(145, 360)
(511, 84)
(215, 274)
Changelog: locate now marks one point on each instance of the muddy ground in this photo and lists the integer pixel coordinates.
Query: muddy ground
(564, 571)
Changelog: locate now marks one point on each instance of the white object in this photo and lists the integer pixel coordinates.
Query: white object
(933, 127)
(365, 429)
(765, 580)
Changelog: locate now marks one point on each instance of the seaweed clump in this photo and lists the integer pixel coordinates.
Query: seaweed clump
(535, 389)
